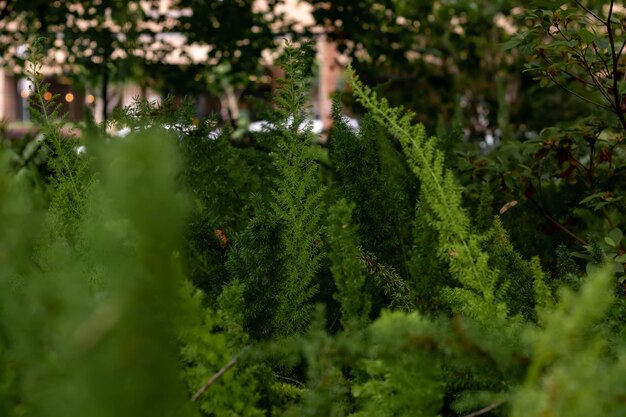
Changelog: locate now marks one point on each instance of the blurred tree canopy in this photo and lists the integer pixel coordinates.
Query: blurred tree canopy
(443, 59)
(98, 42)
(92, 41)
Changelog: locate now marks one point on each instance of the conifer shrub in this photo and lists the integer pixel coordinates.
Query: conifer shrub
(181, 271)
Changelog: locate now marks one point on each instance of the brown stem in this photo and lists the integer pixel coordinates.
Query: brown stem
(604, 61)
(621, 49)
(589, 70)
(592, 151)
(555, 222)
(571, 74)
(585, 8)
(486, 409)
(575, 94)
(286, 378)
(597, 83)
(616, 96)
(218, 375)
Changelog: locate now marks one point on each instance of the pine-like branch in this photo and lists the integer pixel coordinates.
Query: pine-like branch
(440, 191)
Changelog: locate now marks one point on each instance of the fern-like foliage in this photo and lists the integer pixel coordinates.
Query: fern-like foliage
(348, 271)
(392, 285)
(71, 339)
(209, 339)
(429, 275)
(221, 176)
(326, 388)
(468, 263)
(71, 177)
(519, 283)
(22, 216)
(252, 260)
(278, 254)
(575, 371)
(373, 175)
(397, 383)
(568, 272)
(298, 196)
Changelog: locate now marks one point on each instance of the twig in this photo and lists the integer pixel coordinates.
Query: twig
(621, 50)
(555, 222)
(589, 11)
(286, 378)
(617, 97)
(553, 79)
(486, 409)
(218, 374)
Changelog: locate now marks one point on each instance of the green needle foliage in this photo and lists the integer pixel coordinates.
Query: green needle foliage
(176, 272)
(401, 384)
(284, 266)
(298, 196)
(71, 180)
(575, 371)
(209, 339)
(76, 323)
(348, 271)
(440, 192)
(373, 175)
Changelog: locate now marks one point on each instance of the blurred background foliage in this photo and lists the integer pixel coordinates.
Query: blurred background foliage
(441, 58)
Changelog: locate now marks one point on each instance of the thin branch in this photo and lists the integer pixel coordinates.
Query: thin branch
(616, 95)
(597, 83)
(48, 124)
(218, 375)
(557, 224)
(486, 409)
(570, 74)
(286, 378)
(579, 96)
(585, 8)
(621, 50)
(604, 61)
(565, 38)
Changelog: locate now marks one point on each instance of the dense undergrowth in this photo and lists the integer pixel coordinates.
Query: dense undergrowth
(177, 271)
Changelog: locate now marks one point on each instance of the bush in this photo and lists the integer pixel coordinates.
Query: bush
(175, 272)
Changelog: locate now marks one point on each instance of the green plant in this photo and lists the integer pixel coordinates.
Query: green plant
(348, 271)
(186, 285)
(567, 178)
(285, 271)
(71, 180)
(441, 194)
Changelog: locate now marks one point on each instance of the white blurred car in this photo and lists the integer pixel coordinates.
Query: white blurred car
(317, 125)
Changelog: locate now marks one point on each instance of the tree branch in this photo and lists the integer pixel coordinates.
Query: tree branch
(621, 50)
(616, 95)
(585, 8)
(553, 79)
(218, 375)
(286, 378)
(486, 409)
(551, 219)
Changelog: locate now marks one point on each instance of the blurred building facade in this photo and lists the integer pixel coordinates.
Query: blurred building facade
(14, 89)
